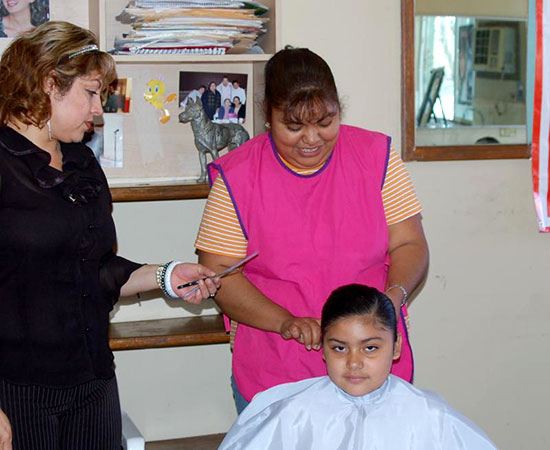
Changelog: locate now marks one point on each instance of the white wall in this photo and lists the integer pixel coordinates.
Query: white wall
(480, 331)
(479, 325)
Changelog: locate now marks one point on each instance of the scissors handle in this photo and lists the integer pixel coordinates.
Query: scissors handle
(191, 283)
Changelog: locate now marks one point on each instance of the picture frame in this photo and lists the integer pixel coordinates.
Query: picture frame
(430, 96)
(13, 21)
(119, 96)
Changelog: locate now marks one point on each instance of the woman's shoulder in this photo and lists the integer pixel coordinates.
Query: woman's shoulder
(369, 149)
(245, 153)
(354, 132)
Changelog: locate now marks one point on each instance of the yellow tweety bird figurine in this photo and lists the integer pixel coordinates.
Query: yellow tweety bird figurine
(154, 93)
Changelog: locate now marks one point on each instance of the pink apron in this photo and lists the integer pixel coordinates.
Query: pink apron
(313, 234)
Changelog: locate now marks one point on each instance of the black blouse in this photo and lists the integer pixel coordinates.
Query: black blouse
(59, 275)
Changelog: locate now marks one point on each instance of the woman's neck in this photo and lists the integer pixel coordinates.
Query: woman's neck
(40, 137)
(17, 22)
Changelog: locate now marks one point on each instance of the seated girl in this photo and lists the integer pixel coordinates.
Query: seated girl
(359, 405)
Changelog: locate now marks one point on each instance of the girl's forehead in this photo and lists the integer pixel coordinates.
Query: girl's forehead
(357, 325)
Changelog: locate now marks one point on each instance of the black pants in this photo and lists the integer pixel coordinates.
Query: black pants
(83, 417)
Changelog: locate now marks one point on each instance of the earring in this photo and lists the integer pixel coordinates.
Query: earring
(267, 125)
(49, 129)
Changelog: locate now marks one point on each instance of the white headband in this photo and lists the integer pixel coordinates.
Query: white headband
(86, 49)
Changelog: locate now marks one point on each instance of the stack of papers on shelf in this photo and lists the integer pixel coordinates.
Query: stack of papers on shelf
(191, 26)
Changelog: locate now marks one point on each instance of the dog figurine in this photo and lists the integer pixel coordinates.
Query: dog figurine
(211, 137)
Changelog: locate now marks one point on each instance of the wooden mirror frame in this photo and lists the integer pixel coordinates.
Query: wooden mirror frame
(410, 151)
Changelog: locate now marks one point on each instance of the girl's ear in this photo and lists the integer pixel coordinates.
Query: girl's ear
(397, 347)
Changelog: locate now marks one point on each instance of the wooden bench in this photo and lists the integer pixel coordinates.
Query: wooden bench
(159, 333)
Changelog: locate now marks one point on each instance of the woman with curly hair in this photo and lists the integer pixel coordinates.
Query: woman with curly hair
(59, 273)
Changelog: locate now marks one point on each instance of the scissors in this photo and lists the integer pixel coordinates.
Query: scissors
(218, 275)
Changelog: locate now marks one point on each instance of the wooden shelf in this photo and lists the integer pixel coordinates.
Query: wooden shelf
(181, 59)
(202, 330)
(166, 192)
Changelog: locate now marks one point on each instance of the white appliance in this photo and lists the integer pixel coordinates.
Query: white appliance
(131, 437)
(495, 49)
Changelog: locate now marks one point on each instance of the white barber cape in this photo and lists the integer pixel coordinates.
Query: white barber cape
(316, 414)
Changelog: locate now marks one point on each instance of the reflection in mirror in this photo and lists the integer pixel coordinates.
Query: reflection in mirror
(470, 76)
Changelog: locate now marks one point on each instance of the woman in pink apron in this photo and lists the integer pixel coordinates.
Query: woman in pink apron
(311, 196)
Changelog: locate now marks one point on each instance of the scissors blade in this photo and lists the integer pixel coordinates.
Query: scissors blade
(219, 275)
(234, 266)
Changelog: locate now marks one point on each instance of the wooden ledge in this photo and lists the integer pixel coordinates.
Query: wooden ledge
(209, 442)
(201, 330)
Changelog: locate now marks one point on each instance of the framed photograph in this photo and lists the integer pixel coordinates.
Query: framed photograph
(227, 107)
(17, 17)
(146, 151)
(119, 96)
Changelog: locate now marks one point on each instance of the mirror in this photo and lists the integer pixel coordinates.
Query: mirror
(464, 79)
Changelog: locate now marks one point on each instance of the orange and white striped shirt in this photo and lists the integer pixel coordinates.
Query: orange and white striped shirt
(220, 231)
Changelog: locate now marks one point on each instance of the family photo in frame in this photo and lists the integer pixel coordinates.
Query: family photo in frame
(216, 112)
(223, 96)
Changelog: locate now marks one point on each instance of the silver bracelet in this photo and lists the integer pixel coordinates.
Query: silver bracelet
(164, 273)
(405, 294)
(167, 277)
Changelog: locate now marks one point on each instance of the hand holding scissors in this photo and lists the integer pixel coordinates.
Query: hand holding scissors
(218, 275)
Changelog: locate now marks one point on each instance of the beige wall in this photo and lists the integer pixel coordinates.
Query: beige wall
(481, 8)
(479, 326)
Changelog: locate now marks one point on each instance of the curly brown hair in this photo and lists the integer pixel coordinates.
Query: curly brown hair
(42, 54)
